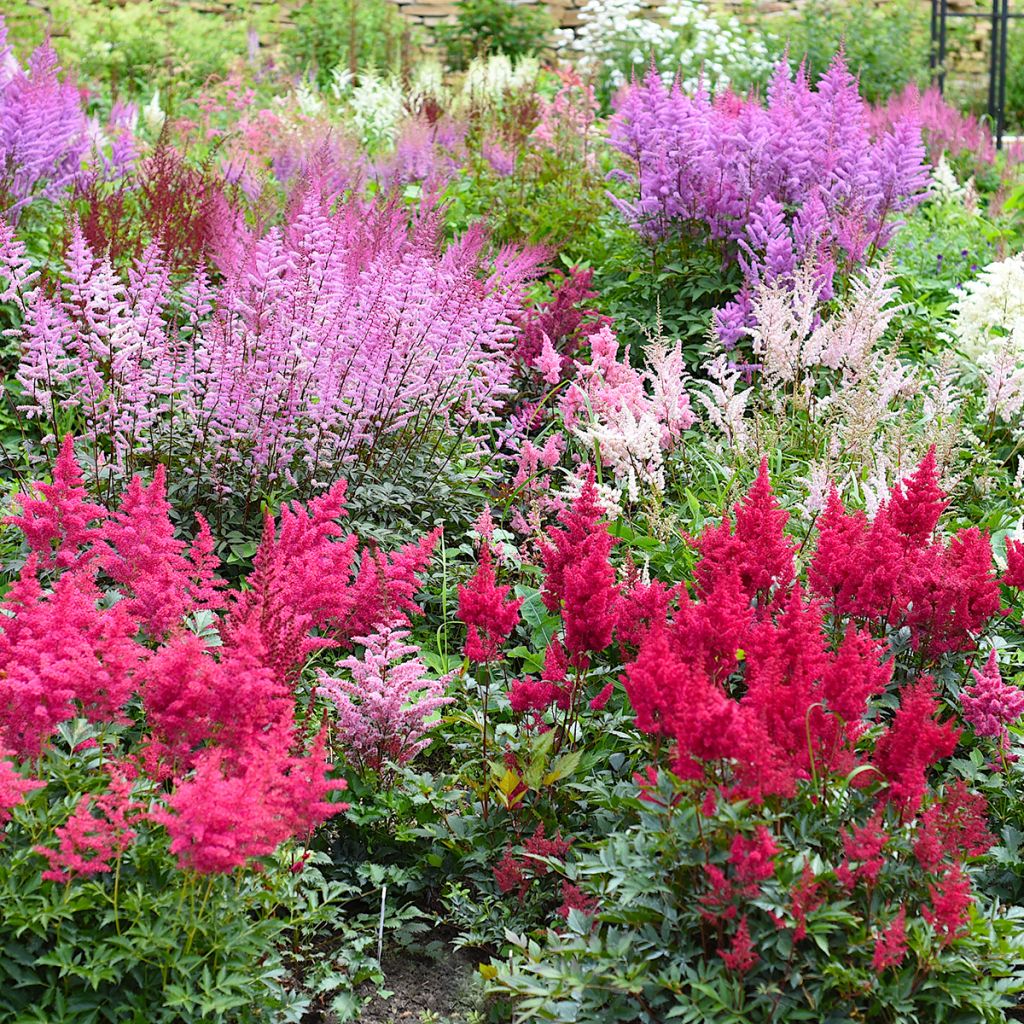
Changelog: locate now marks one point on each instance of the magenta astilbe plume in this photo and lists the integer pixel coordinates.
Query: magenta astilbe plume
(799, 178)
(44, 133)
(330, 339)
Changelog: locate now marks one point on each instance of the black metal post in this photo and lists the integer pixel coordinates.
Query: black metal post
(993, 67)
(1003, 60)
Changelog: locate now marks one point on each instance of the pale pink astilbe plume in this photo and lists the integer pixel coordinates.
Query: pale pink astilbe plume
(161, 578)
(631, 415)
(227, 813)
(384, 708)
(15, 266)
(344, 332)
(44, 133)
(61, 656)
(56, 524)
(989, 704)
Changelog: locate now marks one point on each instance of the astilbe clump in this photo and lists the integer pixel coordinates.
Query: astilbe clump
(989, 704)
(385, 704)
(798, 179)
(220, 760)
(487, 612)
(331, 339)
(44, 133)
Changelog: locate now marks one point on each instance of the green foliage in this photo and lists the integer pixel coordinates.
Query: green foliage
(351, 34)
(885, 46)
(651, 954)
(484, 27)
(144, 943)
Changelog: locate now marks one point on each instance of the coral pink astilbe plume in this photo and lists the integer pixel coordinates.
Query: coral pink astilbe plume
(89, 841)
(56, 524)
(384, 710)
(487, 612)
(13, 787)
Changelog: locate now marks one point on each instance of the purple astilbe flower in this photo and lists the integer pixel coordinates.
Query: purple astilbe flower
(44, 134)
(799, 177)
(384, 708)
(345, 338)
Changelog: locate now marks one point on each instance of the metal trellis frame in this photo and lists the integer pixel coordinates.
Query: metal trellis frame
(999, 19)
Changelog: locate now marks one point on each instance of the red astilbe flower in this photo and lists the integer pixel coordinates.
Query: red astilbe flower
(487, 612)
(57, 524)
(579, 581)
(953, 828)
(893, 571)
(951, 900)
(757, 549)
(89, 841)
(915, 505)
(805, 897)
(740, 957)
(61, 656)
(519, 872)
(226, 814)
(575, 899)
(551, 689)
(891, 943)
(990, 705)
(913, 743)
(753, 858)
(159, 576)
(13, 787)
(864, 847)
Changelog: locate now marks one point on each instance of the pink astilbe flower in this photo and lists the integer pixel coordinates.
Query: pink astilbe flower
(225, 814)
(61, 656)
(13, 787)
(891, 943)
(161, 578)
(989, 704)
(384, 710)
(90, 841)
(56, 525)
(487, 612)
(193, 699)
(303, 580)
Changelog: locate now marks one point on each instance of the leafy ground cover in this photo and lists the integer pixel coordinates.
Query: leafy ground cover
(514, 543)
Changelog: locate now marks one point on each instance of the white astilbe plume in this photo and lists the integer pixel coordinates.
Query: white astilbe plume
(1004, 384)
(790, 337)
(945, 186)
(385, 703)
(990, 315)
(726, 406)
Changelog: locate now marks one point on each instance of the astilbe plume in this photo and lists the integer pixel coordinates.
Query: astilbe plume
(13, 787)
(799, 178)
(579, 582)
(487, 612)
(328, 340)
(990, 705)
(384, 710)
(891, 942)
(224, 815)
(88, 841)
(61, 656)
(56, 525)
(896, 571)
(303, 580)
(44, 133)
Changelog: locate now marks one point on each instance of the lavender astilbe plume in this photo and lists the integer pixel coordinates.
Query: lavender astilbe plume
(44, 134)
(799, 177)
(340, 341)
